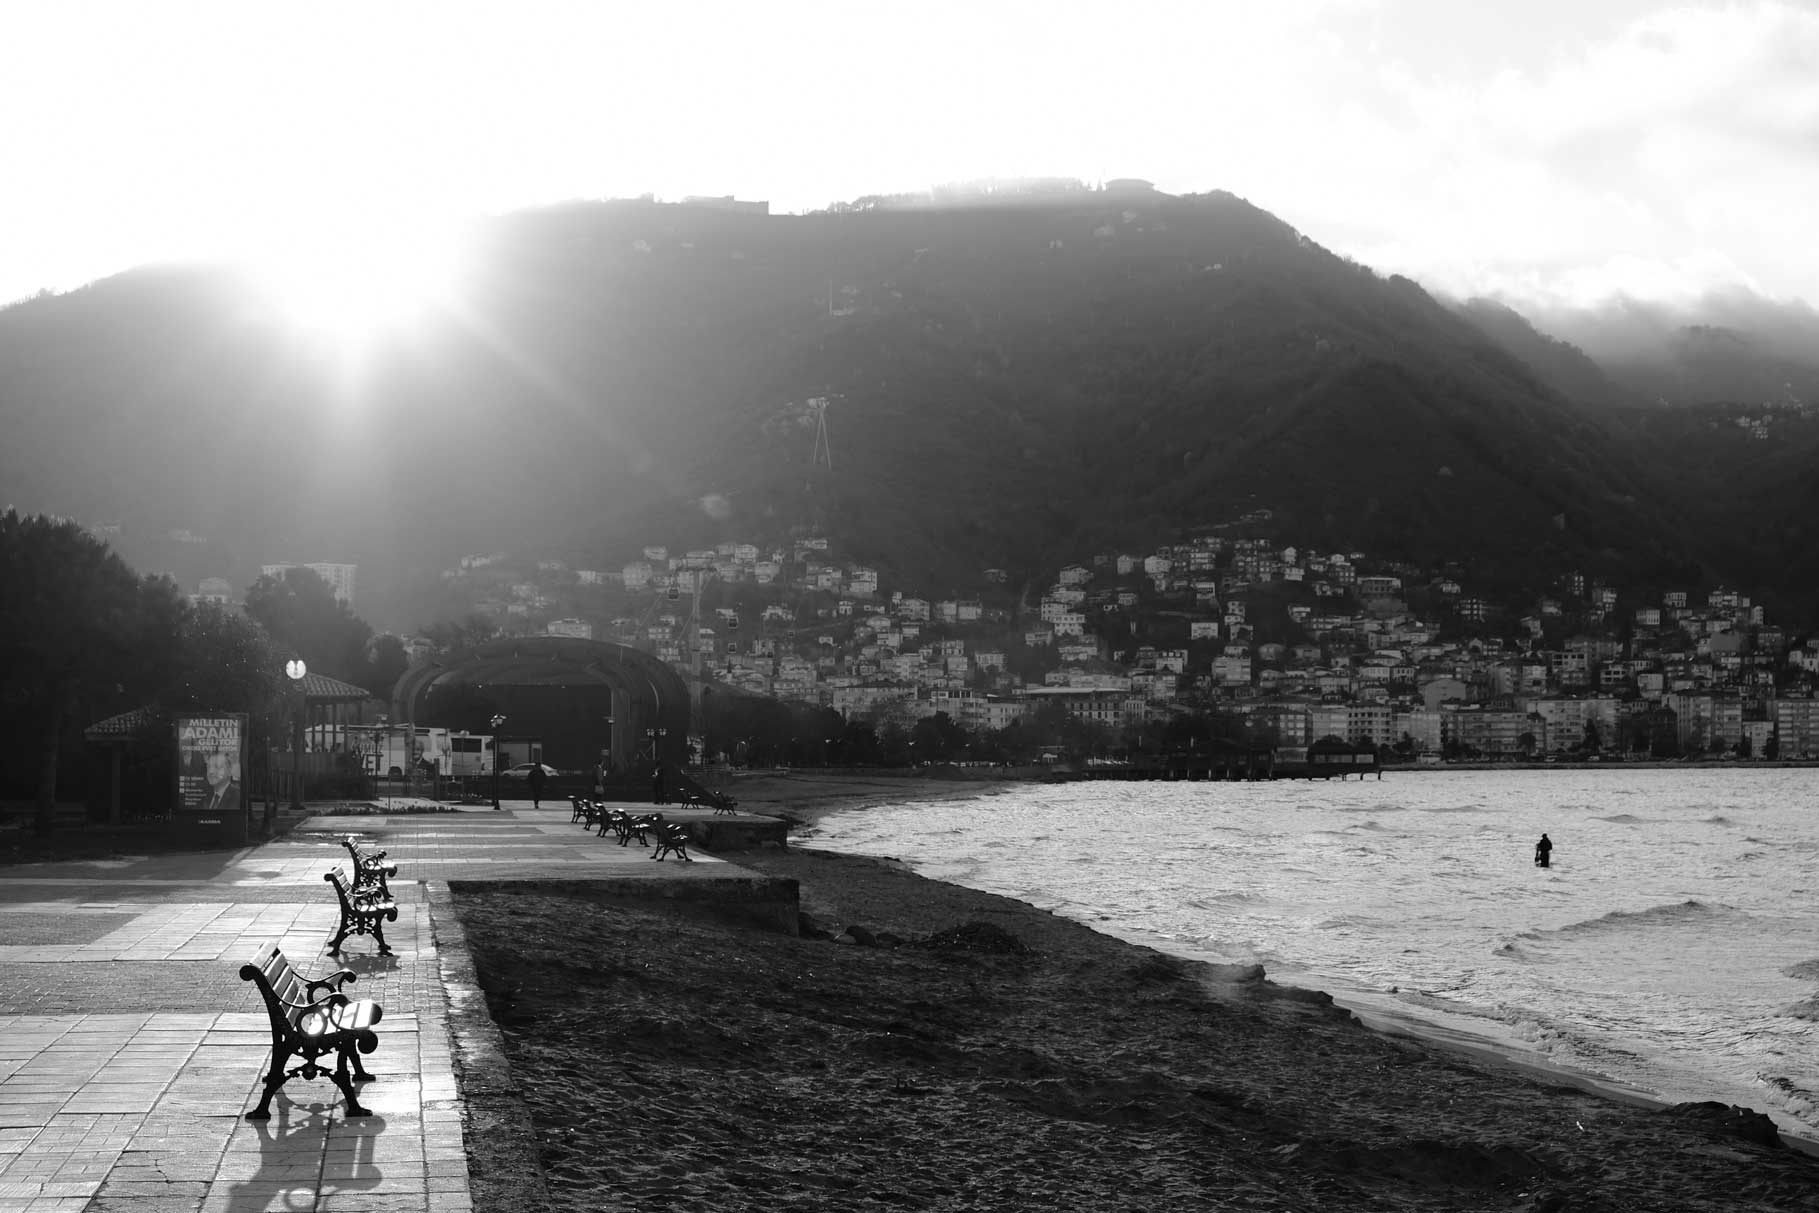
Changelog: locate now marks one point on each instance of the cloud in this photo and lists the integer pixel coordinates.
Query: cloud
(1676, 156)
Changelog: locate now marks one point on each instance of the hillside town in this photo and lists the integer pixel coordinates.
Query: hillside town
(1295, 644)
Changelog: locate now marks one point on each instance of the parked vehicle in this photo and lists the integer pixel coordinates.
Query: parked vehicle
(523, 770)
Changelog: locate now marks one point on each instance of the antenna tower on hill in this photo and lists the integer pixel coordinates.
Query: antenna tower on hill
(823, 453)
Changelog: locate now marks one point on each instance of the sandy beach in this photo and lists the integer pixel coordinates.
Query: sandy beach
(927, 1046)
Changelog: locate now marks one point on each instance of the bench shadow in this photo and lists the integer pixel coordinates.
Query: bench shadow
(304, 1149)
(365, 964)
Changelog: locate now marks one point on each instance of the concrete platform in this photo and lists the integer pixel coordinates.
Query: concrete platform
(130, 1050)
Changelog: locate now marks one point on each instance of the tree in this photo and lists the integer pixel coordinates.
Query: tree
(76, 626)
(450, 636)
(224, 663)
(300, 612)
(939, 737)
(385, 664)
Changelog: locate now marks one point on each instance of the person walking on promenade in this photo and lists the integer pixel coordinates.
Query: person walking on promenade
(1543, 850)
(536, 782)
(657, 796)
(600, 780)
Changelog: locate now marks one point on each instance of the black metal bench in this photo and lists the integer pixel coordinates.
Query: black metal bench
(701, 798)
(311, 1018)
(370, 869)
(361, 913)
(630, 825)
(609, 819)
(587, 811)
(672, 839)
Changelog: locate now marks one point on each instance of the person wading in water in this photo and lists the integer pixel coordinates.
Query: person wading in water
(1543, 849)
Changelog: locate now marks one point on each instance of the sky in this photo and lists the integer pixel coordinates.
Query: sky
(1557, 151)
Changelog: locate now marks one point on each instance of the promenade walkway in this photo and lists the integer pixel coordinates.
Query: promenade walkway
(130, 1049)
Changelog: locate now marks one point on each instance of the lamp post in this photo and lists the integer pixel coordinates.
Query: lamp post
(658, 793)
(294, 669)
(497, 721)
(380, 752)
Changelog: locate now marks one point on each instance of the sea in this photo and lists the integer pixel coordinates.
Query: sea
(1671, 950)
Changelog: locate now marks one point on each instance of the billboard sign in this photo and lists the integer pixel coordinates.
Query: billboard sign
(211, 759)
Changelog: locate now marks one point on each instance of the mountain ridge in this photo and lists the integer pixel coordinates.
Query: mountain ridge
(1008, 386)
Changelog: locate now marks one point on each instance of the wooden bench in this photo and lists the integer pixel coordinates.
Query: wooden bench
(370, 869)
(361, 913)
(311, 1018)
(672, 839)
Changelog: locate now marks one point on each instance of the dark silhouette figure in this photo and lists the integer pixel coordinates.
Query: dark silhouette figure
(536, 782)
(1543, 849)
(658, 796)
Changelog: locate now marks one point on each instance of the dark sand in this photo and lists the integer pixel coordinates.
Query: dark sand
(972, 1052)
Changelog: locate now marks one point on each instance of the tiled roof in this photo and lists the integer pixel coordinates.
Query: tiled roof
(322, 688)
(317, 688)
(125, 725)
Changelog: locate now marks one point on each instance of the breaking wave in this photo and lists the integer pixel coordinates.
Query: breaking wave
(1689, 913)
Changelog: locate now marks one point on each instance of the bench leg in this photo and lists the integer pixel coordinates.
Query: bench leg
(334, 945)
(379, 938)
(343, 1055)
(273, 1081)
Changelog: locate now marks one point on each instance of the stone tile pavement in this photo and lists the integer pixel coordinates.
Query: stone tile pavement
(130, 1049)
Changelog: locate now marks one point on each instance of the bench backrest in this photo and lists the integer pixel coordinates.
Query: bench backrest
(274, 973)
(338, 878)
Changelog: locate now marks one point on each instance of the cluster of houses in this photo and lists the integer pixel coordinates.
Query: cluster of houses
(1302, 644)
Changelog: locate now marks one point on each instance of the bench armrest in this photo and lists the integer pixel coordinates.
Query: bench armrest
(330, 984)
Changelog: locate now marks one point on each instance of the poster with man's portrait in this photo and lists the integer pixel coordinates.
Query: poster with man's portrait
(211, 754)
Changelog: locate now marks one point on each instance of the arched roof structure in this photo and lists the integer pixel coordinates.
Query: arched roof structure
(576, 696)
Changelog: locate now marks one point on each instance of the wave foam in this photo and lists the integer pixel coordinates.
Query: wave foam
(1689, 913)
(1790, 1097)
(1806, 970)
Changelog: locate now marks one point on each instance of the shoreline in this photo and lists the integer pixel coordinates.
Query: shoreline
(834, 794)
(925, 1045)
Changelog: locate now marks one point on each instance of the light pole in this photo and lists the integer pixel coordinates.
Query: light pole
(294, 669)
(380, 755)
(659, 795)
(497, 721)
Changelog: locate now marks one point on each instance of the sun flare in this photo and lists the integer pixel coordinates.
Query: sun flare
(354, 287)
